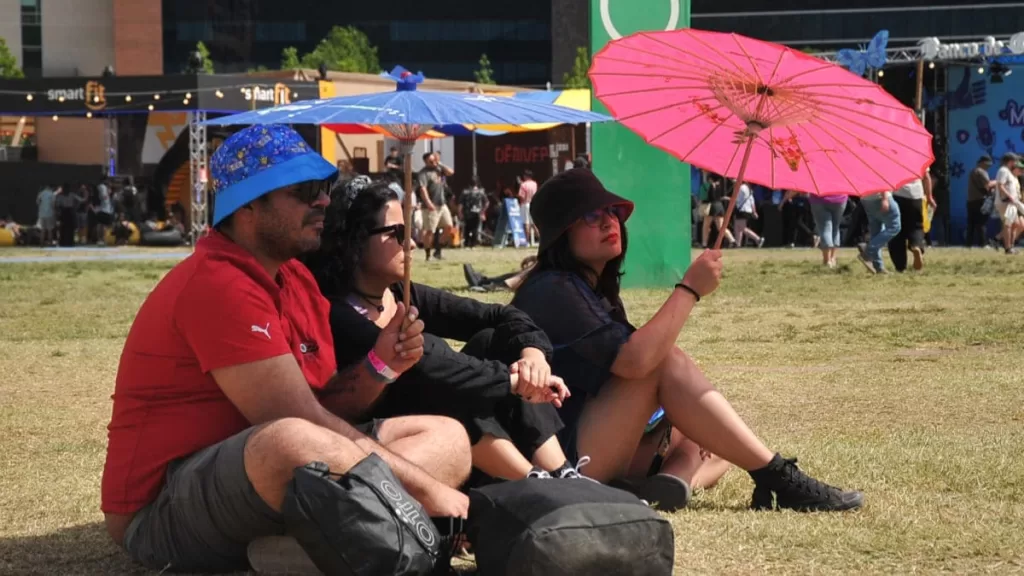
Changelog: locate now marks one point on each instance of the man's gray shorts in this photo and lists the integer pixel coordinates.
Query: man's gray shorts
(206, 513)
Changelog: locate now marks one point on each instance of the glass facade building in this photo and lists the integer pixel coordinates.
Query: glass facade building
(443, 38)
(31, 38)
(827, 24)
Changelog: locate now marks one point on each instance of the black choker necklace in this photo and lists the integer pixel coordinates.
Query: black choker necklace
(370, 300)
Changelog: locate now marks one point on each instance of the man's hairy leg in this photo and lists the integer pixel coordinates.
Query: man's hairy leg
(436, 444)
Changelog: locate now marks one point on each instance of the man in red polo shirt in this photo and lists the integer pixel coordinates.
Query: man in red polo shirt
(215, 403)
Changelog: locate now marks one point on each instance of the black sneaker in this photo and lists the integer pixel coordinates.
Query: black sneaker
(573, 472)
(662, 491)
(795, 490)
(473, 278)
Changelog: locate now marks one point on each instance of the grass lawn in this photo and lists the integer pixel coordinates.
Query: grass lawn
(910, 387)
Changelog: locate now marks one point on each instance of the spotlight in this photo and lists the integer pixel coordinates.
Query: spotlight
(931, 65)
(188, 95)
(881, 73)
(128, 98)
(156, 96)
(218, 94)
(88, 114)
(28, 97)
(60, 99)
(185, 101)
(54, 117)
(981, 69)
(96, 99)
(150, 107)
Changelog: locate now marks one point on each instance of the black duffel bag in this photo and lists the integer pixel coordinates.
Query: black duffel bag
(363, 523)
(548, 527)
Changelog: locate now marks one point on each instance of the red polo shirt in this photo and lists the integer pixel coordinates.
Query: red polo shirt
(217, 308)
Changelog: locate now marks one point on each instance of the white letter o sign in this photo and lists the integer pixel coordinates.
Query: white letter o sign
(609, 27)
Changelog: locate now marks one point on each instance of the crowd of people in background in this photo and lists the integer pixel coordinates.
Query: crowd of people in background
(97, 214)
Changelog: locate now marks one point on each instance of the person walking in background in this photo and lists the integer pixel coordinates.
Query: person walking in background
(527, 188)
(746, 210)
(472, 210)
(979, 187)
(884, 224)
(437, 218)
(1008, 204)
(909, 197)
(46, 201)
(104, 212)
(67, 212)
(712, 209)
(394, 165)
(828, 215)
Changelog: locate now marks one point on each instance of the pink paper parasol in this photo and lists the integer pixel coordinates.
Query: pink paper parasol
(760, 112)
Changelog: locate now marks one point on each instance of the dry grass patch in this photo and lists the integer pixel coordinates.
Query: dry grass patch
(908, 386)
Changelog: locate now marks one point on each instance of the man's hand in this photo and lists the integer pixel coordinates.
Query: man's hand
(401, 349)
(532, 379)
(431, 207)
(446, 502)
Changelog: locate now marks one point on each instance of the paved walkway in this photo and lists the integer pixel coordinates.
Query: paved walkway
(85, 254)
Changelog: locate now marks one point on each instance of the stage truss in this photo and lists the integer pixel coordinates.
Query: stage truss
(110, 146)
(198, 173)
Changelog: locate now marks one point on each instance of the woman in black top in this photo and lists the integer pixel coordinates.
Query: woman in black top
(619, 375)
(502, 390)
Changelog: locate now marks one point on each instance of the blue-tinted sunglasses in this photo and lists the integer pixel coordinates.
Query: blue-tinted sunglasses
(594, 217)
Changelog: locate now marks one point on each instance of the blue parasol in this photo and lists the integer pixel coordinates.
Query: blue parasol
(406, 113)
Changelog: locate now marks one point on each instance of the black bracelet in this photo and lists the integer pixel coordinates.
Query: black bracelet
(690, 290)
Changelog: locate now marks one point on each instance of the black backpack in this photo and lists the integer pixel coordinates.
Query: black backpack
(548, 527)
(363, 523)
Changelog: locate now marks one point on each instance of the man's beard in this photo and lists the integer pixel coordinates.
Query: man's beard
(276, 242)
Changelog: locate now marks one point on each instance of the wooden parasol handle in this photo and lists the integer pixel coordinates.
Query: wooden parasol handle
(407, 241)
(735, 191)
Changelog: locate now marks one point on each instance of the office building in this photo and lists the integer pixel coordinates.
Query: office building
(443, 38)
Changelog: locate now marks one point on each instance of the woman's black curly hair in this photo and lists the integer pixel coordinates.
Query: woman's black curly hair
(355, 210)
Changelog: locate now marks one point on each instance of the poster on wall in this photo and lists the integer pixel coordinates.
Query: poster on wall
(985, 118)
(515, 223)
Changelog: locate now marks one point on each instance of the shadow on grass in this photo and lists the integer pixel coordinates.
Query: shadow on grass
(85, 549)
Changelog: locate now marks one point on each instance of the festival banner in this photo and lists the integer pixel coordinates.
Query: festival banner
(659, 184)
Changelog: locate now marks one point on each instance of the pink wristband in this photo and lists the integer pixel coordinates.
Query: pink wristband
(383, 370)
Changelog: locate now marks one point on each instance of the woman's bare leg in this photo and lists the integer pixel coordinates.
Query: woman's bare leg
(701, 413)
(500, 458)
(682, 460)
(549, 456)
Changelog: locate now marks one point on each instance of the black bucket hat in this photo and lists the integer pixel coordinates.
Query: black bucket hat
(566, 198)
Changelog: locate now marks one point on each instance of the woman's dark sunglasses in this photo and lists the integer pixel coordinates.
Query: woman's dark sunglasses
(308, 192)
(396, 231)
(594, 217)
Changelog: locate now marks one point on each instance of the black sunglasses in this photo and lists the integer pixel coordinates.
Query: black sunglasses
(396, 231)
(308, 192)
(594, 217)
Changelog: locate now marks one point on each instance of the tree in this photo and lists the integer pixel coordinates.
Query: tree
(485, 75)
(290, 58)
(8, 64)
(344, 49)
(204, 52)
(578, 78)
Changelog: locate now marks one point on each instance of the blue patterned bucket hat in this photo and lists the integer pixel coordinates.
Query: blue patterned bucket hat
(259, 160)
